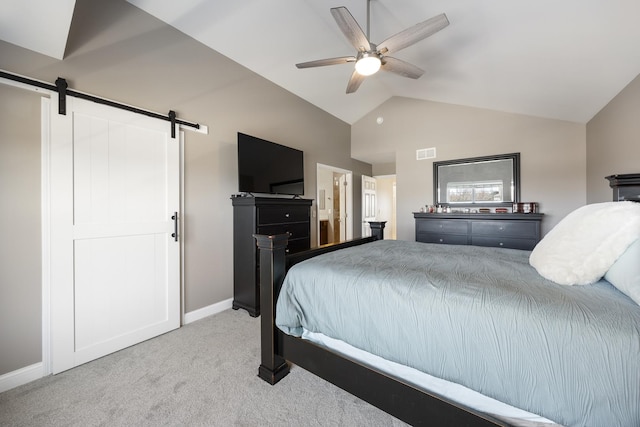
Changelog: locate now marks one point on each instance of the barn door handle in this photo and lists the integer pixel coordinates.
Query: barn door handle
(175, 226)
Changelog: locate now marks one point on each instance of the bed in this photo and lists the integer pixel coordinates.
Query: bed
(551, 337)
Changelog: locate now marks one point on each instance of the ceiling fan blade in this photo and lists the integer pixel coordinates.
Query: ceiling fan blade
(328, 61)
(403, 68)
(355, 81)
(413, 34)
(351, 29)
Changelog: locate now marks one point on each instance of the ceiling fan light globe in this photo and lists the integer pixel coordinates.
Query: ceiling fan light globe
(368, 65)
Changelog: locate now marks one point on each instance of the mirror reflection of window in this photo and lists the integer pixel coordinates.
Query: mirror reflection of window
(474, 192)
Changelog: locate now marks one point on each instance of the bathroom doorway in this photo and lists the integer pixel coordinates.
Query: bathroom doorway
(334, 204)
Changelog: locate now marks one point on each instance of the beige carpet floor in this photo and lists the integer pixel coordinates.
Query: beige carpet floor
(203, 374)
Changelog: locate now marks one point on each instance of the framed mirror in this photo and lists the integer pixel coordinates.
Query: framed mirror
(491, 181)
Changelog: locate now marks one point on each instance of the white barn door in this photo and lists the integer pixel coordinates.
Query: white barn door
(115, 263)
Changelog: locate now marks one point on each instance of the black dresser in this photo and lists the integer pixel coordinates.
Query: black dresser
(508, 230)
(263, 215)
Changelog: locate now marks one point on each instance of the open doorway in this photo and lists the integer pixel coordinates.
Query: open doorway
(334, 204)
(379, 203)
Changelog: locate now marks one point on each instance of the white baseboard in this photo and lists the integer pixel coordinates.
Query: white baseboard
(21, 376)
(209, 310)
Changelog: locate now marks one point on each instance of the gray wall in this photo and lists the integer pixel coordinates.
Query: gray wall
(20, 230)
(117, 51)
(553, 152)
(613, 142)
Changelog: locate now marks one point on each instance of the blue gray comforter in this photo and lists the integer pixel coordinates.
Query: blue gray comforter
(480, 317)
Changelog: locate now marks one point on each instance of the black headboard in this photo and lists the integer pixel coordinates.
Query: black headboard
(625, 187)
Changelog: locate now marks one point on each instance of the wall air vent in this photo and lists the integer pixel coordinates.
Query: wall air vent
(426, 153)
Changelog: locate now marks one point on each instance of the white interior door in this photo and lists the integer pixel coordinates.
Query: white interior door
(115, 269)
(369, 203)
(342, 184)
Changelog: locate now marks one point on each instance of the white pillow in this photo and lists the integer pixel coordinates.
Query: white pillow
(584, 245)
(624, 274)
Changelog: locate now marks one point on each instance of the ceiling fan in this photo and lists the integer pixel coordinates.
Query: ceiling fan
(370, 57)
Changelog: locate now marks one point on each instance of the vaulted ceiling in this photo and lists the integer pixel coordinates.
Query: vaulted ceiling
(557, 59)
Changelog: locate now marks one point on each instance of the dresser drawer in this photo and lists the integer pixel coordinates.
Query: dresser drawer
(448, 239)
(296, 230)
(521, 229)
(442, 226)
(282, 214)
(504, 242)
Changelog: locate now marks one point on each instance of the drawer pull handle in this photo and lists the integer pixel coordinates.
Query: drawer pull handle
(286, 215)
(501, 228)
(501, 244)
(441, 240)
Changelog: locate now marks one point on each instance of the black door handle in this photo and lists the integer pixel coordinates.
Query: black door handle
(175, 226)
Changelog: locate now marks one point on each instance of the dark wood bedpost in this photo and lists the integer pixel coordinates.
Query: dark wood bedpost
(377, 229)
(272, 270)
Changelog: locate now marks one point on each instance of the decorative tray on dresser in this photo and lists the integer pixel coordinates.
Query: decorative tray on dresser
(504, 230)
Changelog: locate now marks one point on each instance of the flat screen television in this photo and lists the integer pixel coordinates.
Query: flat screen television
(269, 168)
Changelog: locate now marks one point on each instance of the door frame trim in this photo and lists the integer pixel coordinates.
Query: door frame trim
(45, 205)
(181, 225)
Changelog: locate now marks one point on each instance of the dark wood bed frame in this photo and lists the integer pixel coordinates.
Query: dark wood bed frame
(400, 399)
